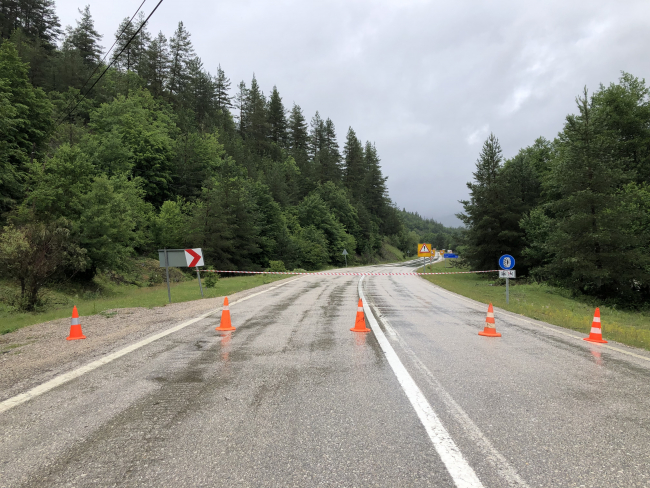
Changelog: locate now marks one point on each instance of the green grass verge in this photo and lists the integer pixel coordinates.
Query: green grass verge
(128, 296)
(548, 304)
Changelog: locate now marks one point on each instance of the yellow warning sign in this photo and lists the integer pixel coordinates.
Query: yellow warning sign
(424, 250)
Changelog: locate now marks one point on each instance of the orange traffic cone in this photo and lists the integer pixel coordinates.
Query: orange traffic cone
(596, 334)
(75, 326)
(360, 323)
(225, 317)
(489, 330)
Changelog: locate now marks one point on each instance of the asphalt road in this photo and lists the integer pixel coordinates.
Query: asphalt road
(293, 398)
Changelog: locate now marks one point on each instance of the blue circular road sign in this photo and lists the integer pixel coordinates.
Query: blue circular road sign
(506, 261)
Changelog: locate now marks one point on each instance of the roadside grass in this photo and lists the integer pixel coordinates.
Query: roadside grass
(128, 296)
(391, 253)
(548, 304)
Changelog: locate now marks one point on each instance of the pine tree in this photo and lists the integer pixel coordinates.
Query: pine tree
(624, 108)
(181, 52)
(330, 157)
(223, 99)
(316, 136)
(133, 56)
(36, 18)
(355, 167)
(375, 193)
(241, 104)
(298, 143)
(201, 94)
(70, 69)
(157, 62)
(86, 39)
(124, 32)
(484, 242)
(257, 129)
(277, 119)
(597, 250)
(298, 137)
(142, 41)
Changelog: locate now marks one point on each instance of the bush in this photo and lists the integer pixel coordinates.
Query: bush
(210, 280)
(277, 266)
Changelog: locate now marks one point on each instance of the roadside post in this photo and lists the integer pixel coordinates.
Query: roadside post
(424, 250)
(198, 275)
(181, 258)
(345, 253)
(450, 255)
(169, 292)
(506, 263)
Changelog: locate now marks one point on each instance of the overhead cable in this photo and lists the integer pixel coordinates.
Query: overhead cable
(112, 62)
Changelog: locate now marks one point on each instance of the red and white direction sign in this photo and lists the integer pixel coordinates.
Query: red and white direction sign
(194, 257)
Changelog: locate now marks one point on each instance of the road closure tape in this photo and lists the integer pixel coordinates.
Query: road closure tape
(344, 274)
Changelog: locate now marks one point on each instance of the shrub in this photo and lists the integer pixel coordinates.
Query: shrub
(210, 280)
(277, 266)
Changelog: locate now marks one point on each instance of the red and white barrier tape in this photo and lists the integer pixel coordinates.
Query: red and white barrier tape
(345, 274)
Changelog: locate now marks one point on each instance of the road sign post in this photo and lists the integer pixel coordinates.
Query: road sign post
(180, 258)
(506, 263)
(198, 275)
(345, 253)
(450, 255)
(169, 292)
(424, 250)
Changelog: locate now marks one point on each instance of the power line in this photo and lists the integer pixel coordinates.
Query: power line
(114, 59)
(110, 49)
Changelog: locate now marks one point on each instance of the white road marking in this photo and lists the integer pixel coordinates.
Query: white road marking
(389, 328)
(459, 470)
(555, 328)
(64, 378)
(494, 457)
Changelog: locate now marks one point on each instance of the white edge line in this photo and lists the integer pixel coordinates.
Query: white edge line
(64, 378)
(554, 328)
(500, 463)
(459, 469)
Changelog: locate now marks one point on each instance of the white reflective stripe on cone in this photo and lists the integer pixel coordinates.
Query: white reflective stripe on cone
(490, 315)
(75, 321)
(596, 330)
(226, 308)
(359, 309)
(596, 319)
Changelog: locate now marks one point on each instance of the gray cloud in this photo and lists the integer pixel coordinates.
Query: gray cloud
(426, 81)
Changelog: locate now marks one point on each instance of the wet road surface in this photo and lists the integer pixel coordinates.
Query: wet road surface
(293, 398)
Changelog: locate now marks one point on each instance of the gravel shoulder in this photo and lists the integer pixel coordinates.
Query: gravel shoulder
(35, 354)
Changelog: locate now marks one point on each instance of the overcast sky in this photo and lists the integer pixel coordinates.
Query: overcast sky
(426, 81)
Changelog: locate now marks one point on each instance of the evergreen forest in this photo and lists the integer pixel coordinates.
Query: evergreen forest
(109, 155)
(574, 211)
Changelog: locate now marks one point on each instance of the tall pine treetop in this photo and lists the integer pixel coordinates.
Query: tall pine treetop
(86, 39)
(222, 88)
(181, 52)
(277, 118)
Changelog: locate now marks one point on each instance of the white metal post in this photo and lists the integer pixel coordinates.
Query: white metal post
(199, 277)
(169, 292)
